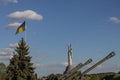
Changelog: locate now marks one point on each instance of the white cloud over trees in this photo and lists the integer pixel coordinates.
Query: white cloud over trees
(6, 53)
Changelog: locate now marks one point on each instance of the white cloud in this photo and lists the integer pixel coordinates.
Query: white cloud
(38, 65)
(65, 63)
(14, 1)
(13, 45)
(7, 53)
(114, 19)
(8, 1)
(13, 25)
(47, 69)
(105, 67)
(4, 57)
(27, 14)
(2, 53)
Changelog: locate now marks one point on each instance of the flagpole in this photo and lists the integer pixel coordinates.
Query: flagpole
(25, 33)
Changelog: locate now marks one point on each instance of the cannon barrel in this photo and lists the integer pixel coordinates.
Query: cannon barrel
(76, 74)
(100, 62)
(75, 69)
(79, 66)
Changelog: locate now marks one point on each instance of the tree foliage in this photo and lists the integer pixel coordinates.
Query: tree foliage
(2, 71)
(94, 77)
(54, 76)
(20, 67)
(116, 77)
(2, 68)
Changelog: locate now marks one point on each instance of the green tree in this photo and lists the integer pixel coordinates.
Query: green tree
(116, 77)
(54, 76)
(87, 78)
(2, 71)
(20, 67)
(2, 68)
(94, 77)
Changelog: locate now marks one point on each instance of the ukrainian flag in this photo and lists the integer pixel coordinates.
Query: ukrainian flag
(21, 28)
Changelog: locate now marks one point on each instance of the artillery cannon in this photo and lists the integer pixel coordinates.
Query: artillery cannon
(79, 66)
(100, 62)
(79, 75)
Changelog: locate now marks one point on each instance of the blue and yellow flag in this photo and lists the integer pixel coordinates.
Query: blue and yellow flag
(21, 28)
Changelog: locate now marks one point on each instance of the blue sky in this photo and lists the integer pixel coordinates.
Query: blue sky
(91, 26)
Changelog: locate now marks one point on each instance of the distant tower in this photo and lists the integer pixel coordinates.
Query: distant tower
(69, 67)
(70, 55)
